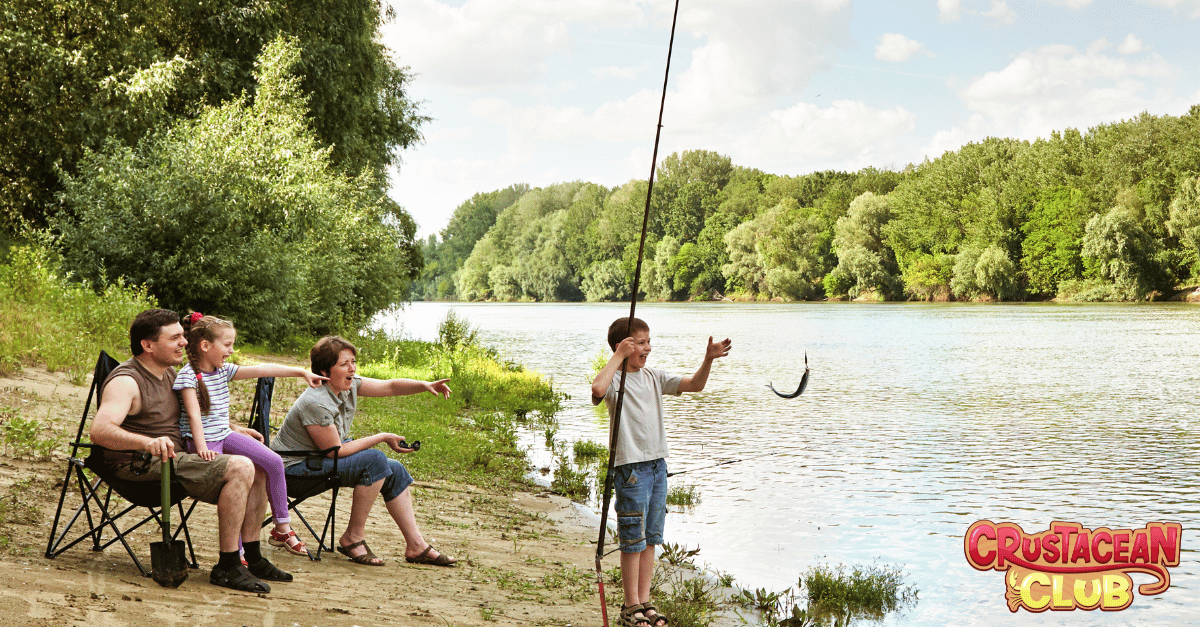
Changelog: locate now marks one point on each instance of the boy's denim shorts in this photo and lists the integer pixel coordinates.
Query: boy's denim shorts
(641, 503)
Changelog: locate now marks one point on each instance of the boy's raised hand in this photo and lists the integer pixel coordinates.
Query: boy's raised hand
(627, 348)
(717, 349)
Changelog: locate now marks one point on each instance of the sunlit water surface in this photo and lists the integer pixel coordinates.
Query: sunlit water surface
(919, 419)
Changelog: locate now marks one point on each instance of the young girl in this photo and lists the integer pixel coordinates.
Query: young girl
(203, 383)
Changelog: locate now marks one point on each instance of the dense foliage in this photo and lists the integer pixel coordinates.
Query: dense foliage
(241, 213)
(80, 74)
(1110, 214)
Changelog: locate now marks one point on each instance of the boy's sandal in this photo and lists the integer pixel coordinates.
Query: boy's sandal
(264, 569)
(237, 578)
(423, 558)
(368, 558)
(652, 615)
(289, 541)
(632, 616)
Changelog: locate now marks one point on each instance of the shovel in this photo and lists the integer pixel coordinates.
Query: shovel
(167, 560)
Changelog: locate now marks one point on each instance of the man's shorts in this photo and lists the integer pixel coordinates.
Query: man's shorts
(201, 479)
(641, 503)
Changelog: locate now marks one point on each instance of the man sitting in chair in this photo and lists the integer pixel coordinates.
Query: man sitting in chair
(140, 412)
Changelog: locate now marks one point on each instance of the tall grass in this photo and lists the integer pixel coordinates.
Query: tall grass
(47, 319)
(471, 436)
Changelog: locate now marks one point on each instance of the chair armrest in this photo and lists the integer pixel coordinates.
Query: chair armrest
(315, 456)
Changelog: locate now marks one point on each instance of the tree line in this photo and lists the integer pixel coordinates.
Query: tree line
(1110, 214)
(229, 155)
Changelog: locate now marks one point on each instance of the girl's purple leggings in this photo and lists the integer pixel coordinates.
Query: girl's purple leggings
(269, 461)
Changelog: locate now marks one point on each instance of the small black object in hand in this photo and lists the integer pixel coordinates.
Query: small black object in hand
(415, 446)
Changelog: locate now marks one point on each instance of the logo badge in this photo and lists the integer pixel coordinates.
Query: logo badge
(1068, 567)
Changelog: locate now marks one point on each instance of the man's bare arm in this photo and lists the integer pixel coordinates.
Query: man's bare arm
(121, 398)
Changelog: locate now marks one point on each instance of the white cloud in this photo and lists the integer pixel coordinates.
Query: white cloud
(1058, 86)
(1190, 8)
(949, 10)
(493, 42)
(1132, 45)
(613, 71)
(1071, 4)
(804, 136)
(1000, 13)
(895, 47)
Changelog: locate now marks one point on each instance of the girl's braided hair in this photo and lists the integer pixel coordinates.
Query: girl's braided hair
(196, 327)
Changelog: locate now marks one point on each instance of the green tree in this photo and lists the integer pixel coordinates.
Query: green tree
(1053, 239)
(239, 213)
(1185, 219)
(1117, 248)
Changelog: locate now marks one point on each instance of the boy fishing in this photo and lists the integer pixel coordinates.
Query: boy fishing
(639, 471)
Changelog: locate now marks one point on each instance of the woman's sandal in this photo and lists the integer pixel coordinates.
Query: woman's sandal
(423, 558)
(632, 616)
(289, 541)
(368, 558)
(237, 578)
(652, 615)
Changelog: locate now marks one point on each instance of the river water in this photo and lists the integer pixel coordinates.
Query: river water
(918, 420)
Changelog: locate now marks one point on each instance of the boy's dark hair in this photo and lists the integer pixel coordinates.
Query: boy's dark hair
(147, 325)
(622, 328)
(324, 353)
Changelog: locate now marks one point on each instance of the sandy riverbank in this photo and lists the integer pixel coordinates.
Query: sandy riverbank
(524, 558)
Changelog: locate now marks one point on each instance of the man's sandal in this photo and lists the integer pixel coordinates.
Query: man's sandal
(423, 558)
(652, 615)
(632, 616)
(368, 558)
(265, 570)
(237, 578)
(288, 541)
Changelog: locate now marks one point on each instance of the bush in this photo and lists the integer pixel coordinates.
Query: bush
(240, 214)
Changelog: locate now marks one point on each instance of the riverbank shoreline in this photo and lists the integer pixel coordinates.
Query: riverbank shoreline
(524, 556)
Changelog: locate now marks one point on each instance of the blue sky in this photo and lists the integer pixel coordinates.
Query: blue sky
(545, 91)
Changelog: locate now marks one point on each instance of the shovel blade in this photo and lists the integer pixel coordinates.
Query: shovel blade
(169, 564)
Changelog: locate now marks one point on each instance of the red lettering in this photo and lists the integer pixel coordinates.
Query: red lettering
(1120, 539)
(1050, 548)
(979, 531)
(1064, 531)
(1169, 544)
(1097, 538)
(1008, 543)
(1081, 549)
(1030, 550)
(1141, 547)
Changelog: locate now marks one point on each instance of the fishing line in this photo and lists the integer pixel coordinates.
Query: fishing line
(637, 278)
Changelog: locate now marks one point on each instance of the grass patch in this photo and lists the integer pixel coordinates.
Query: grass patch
(683, 495)
(833, 596)
(588, 451)
(45, 318)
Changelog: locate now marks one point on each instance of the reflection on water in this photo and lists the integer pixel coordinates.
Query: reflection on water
(918, 420)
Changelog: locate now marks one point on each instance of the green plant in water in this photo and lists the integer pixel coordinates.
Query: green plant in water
(683, 495)
(677, 555)
(864, 591)
(586, 450)
(568, 481)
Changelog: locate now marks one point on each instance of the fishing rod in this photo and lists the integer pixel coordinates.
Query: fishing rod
(724, 463)
(637, 278)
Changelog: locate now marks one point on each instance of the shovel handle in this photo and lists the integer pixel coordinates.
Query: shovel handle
(166, 500)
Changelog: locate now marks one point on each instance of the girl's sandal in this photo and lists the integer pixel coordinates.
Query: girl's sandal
(651, 613)
(632, 616)
(288, 541)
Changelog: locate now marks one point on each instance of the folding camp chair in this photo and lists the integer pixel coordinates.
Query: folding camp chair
(300, 489)
(94, 516)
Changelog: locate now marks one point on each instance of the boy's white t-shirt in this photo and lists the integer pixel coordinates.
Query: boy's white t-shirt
(641, 436)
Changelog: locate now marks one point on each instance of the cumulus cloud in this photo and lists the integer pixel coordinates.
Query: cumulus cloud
(848, 133)
(1190, 8)
(1000, 13)
(486, 43)
(949, 10)
(1132, 45)
(895, 48)
(1058, 86)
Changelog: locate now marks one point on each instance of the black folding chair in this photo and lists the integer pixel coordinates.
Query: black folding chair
(300, 489)
(93, 516)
